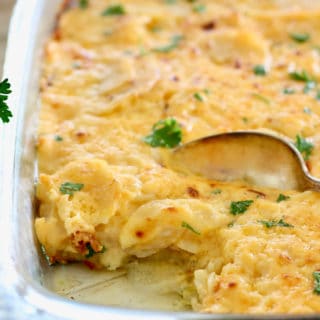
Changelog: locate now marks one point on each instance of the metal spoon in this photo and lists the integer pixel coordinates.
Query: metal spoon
(260, 159)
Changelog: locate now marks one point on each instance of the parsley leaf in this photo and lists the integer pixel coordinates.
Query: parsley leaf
(198, 96)
(91, 252)
(187, 226)
(166, 133)
(300, 37)
(318, 95)
(175, 41)
(259, 70)
(274, 223)
(5, 113)
(115, 10)
(301, 76)
(70, 188)
(304, 146)
(58, 138)
(216, 191)
(199, 8)
(288, 91)
(316, 278)
(239, 207)
(282, 197)
(83, 4)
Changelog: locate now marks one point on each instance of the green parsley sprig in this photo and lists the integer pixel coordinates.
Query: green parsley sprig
(259, 70)
(288, 91)
(83, 4)
(188, 226)
(70, 188)
(282, 197)
(274, 223)
(316, 278)
(304, 146)
(301, 76)
(91, 252)
(166, 133)
(240, 207)
(5, 90)
(115, 10)
(198, 96)
(300, 37)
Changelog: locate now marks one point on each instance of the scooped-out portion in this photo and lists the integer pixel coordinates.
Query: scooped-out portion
(124, 83)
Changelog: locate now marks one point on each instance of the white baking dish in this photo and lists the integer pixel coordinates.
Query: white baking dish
(22, 295)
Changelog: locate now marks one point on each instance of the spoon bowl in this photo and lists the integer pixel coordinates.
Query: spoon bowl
(257, 158)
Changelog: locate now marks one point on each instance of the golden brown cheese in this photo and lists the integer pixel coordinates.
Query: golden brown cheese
(105, 84)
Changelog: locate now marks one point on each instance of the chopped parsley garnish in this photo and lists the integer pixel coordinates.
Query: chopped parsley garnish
(170, 1)
(301, 76)
(70, 188)
(199, 8)
(230, 224)
(275, 223)
(288, 91)
(187, 226)
(261, 98)
(282, 197)
(175, 41)
(307, 110)
(318, 95)
(245, 120)
(83, 4)
(240, 207)
(304, 146)
(198, 96)
(300, 37)
(5, 113)
(166, 133)
(58, 138)
(91, 252)
(316, 278)
(259, 70)
(216, 191)
(115, 10)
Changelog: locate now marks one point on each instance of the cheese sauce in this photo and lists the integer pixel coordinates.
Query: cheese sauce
(112, 71)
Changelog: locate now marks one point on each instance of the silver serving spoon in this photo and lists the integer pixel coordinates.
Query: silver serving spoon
(260, 159)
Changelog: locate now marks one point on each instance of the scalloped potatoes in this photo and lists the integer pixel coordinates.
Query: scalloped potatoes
(108, 78)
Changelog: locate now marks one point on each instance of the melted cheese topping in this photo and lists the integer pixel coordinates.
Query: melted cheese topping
(104, 86)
